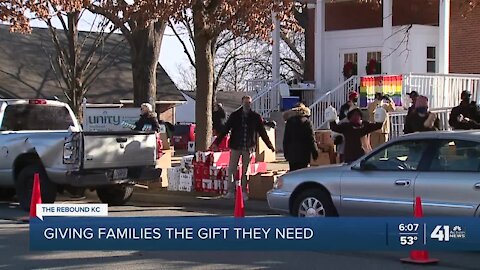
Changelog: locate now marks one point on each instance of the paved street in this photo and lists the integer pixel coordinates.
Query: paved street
(16, 254)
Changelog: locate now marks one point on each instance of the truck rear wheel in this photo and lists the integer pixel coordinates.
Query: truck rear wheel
(115, 195)
(24, 186)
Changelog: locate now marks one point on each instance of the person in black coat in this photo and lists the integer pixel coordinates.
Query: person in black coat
(299, 139)
(421, 119)
(147, 117)
(218, 118)
(245, 125)
(466, 115)
(353, 131)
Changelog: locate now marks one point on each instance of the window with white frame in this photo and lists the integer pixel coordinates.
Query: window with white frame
(374, 63)
(431, 59)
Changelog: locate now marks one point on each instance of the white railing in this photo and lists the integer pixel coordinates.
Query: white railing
(335, 97)
(442, 90)
(267, 100)
(257, 86)
(397, 120)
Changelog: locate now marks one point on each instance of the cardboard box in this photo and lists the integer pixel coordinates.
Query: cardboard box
(164, 178)
(324, 137)
(187, 162)
(173, 178)
(323, 159)
(262, 152)
(165, 161)
(260, 184)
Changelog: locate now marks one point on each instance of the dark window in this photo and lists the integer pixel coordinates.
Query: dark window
(36, 117)
(456, 155)
(431, 60)
(402, 156)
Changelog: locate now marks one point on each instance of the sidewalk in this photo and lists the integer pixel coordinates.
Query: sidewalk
(196, 200)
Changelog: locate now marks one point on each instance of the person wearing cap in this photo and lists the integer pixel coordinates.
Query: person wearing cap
(379, 137)
(466, 115)
(352, 102)
(421, 119)
(148, 118)
(413, 96)
(299, 139)
(353, 131)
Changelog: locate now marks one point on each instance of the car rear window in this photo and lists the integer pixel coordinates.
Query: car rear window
(36, 117)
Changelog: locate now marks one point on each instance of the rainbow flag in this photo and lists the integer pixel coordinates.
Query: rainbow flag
(387, 85)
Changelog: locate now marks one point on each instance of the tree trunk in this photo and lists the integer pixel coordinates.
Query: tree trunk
(75, 85)
(204, 75)
(145, 51)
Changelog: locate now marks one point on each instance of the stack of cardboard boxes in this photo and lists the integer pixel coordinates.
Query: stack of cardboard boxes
(326, 147)
(261, 183)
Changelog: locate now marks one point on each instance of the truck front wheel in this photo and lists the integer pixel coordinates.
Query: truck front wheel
(115, 195)
(24, 186)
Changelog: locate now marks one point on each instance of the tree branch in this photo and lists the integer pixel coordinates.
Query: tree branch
(185, 49)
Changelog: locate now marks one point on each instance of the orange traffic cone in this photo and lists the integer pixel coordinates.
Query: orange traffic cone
(36, 195)
(239, 206)
(419, 256)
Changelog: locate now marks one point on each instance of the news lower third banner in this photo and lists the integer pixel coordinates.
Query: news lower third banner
(262, 233)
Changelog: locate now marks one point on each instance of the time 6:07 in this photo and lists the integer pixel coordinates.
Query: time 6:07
(410, 227)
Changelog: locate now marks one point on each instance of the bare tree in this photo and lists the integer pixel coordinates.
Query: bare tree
(238, 59)
(78, 56)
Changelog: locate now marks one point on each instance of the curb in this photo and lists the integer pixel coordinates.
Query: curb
(196, 200)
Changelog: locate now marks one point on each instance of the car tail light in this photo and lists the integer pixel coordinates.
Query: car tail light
(71, 149)
(37, 101)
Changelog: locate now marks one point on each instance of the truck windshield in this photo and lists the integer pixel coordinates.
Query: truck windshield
(36, 117)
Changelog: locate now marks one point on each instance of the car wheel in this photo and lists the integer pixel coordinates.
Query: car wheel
(115, 195)
(24, 186)
(7, 193)
(313, 203)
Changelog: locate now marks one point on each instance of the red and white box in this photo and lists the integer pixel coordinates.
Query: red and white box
(207, 185)
(219, 159)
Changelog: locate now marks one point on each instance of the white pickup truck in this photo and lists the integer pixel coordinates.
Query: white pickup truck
(44, 136)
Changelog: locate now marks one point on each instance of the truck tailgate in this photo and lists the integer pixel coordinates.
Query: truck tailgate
(118, 149)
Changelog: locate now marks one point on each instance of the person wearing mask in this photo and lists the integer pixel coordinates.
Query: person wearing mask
(466, 115)
(148, 119)
(379, 137)
(299, 140)
(413, 96)
(244, 125)
(351, 103)
(353, 131)
(218, 118)
(421, 119)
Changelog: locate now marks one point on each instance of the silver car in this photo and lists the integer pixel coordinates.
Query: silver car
(443, 168)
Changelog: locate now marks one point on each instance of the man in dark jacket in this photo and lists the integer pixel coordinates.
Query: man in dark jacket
(147, 118)
(299, 139)
(466, 115)
(244, 125)
(421, 119)
(353, 131)
(413, 96)
(218, 118)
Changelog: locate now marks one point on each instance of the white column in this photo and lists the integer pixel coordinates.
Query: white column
(444, 37)
(276, 50)
(319, 46)
(387, 37)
